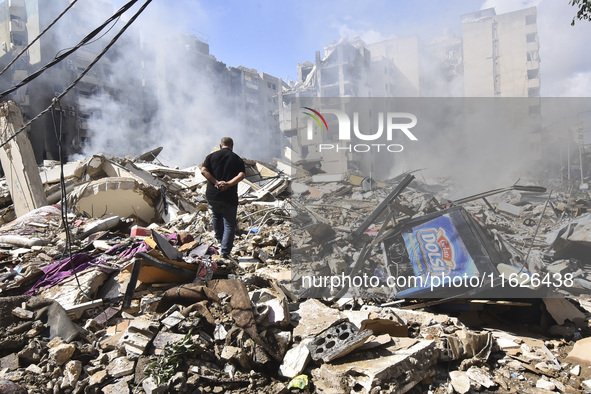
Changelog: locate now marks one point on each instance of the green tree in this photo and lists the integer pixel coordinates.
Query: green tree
(584, 12)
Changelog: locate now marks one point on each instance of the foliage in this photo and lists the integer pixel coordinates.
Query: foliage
(584, 12)
(163, 366)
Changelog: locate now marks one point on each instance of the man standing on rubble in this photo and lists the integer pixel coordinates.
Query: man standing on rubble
(223, 170)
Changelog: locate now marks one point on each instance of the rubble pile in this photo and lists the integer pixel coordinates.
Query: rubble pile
(118, 287)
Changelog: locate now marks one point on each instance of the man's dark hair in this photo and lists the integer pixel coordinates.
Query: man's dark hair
(227, 141)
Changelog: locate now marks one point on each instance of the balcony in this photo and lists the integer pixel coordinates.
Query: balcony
(91, 80)
(17, 9)
(17, 25)
(533, 83)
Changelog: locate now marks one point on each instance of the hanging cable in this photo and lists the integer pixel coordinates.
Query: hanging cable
(64, 203)
(82, 74)
(59, 58)
(38, 36)
(95, 40)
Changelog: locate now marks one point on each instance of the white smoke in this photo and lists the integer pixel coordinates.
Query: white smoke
(157, 61)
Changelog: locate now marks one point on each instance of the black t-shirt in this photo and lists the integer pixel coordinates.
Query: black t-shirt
(224, 165)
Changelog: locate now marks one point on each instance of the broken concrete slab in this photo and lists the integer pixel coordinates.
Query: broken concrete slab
(121, 366)
(313, 317)
(460, 381)
(137, 337)
(509, 208)
(481, 377)
(295, 360)
(324, 178)
(395, 368)
(337, 341)
(278, 312)
(18, 162)
(173, 319)
(163, 338)
(23, 313)
(123, 197)
(562, 309)
(581, 353)
(69, 294)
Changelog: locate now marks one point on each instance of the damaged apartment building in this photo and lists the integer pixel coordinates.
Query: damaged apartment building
(137, 89)
(20, 22)
(497, 56)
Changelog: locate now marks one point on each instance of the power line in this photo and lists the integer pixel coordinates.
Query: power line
(58, 59)
(39, 36)
(82, 74)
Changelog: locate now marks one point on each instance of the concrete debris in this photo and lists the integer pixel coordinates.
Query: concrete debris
(395, 368)
(337, 341)
(295, 360)
(18, 161)
(137, 337)
(460, 381)
(144, 301)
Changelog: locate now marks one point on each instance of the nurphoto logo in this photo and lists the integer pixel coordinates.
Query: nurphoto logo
(396, 124)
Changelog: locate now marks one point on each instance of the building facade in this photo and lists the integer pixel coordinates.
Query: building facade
(497, 56)
(20, 22)
(501, 54)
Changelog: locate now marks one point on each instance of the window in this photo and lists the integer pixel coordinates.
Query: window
(531, 37)
(532, 74)
(530, 19)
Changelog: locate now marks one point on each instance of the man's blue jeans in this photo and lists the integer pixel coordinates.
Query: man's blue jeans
(224, 224)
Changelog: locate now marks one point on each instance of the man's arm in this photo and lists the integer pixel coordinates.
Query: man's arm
(210, 178)
(234, 181)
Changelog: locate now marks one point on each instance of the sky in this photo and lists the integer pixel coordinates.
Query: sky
(274, 36)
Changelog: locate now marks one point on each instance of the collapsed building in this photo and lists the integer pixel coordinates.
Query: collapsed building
(347, 278)
(124, 291)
